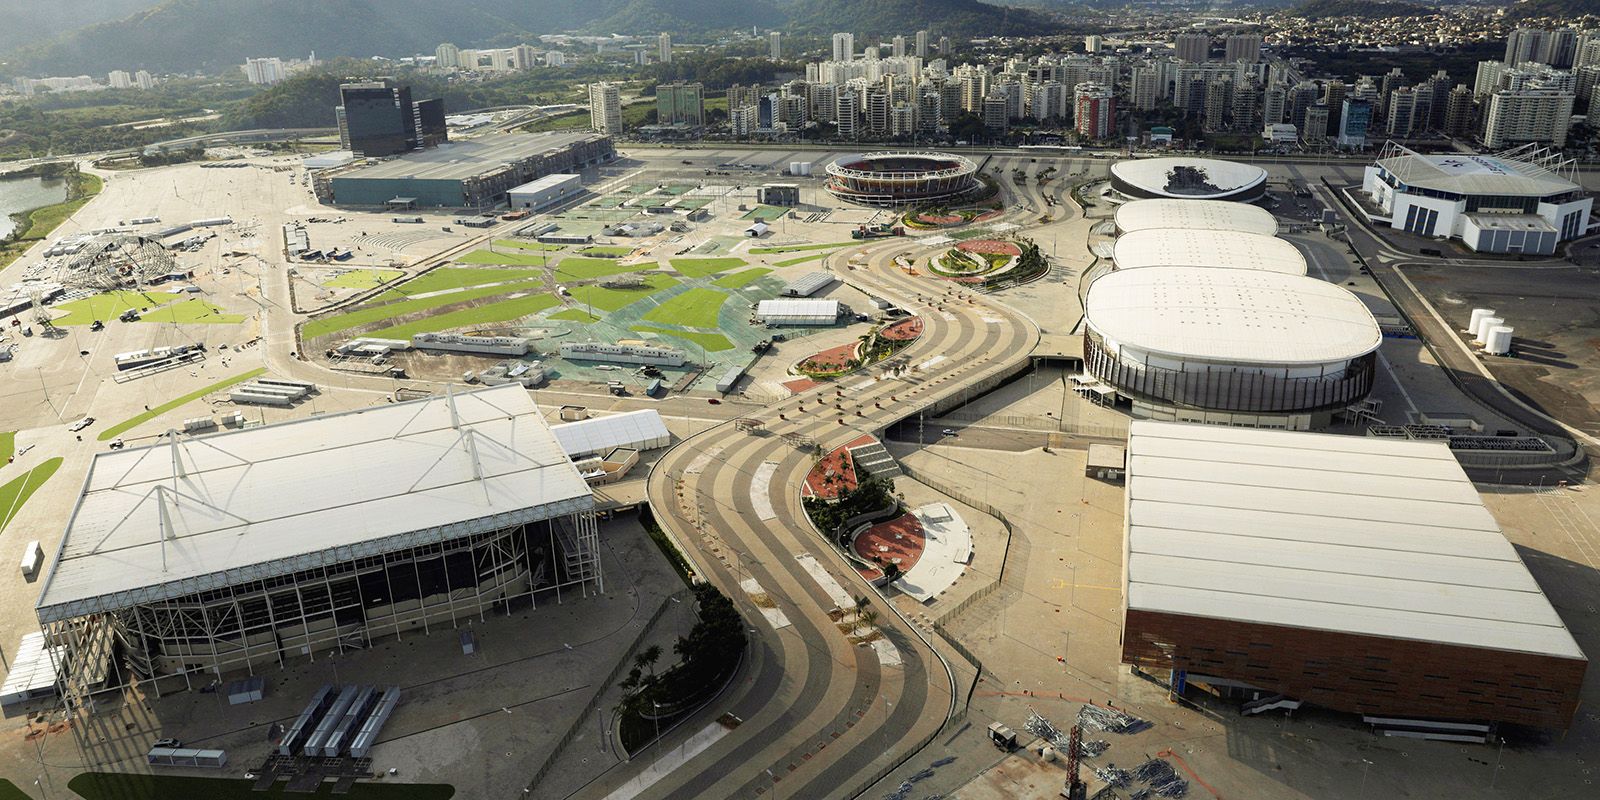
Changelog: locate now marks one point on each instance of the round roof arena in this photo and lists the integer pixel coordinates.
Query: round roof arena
(1237, 316)
(1210, 215)
(901, 178)
(901, 165)
(1189, 178)
(1179, 247)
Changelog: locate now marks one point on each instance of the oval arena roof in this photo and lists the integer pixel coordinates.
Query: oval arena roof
(1211, 215)
(1240, 316)
(1190, 178)
(1180, 247)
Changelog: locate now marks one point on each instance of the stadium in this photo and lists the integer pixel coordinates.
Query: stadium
(1206, 215)
(1519, 201)
(1229, 346)
(1189, 179)
(1161, 247)
(898, 179)
(258, 547)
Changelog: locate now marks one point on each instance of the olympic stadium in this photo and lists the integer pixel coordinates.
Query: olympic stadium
(1189, 179)
(902, 178)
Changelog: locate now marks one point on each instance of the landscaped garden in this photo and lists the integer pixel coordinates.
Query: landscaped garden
(708, 656)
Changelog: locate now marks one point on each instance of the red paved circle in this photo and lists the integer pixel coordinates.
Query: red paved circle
(990, 246)
(901, 538)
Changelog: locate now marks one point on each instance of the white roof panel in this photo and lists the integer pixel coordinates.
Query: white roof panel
(643, 430)
(1339, 533)
(1470, 174)
(255, 503)
(1184, 177)
(1188, 247)
(1233, 315)
(1210, 215)
(797, 307)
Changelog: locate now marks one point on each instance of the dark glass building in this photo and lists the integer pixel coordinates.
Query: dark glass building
(378, 118)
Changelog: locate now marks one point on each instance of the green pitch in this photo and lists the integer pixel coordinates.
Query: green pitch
(695, 308)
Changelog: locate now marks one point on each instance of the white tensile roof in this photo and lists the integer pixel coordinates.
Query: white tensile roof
(1359, 535)
(1231, 315)
(1154, 174)
(1211, 215)
(797, 307)
(641, 430)
(170, 519)
(1469, 174)
(1187, 247)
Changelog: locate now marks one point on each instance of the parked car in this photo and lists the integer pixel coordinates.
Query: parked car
(81, 424)
(172, 743)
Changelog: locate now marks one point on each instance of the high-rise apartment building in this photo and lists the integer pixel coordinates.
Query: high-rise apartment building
(775, 45)
(1355, 118)
(682, 104)
(119, 79)
(1531, 114)
(1245, 47)
(1522, 45)
(844, 47)
(1094, 110)
(876, 110)
(605, 108)
(264, 71)
(846, 111)
(1193, 47)
(1047, 100)
(447, 56)
(1458, 111)
(1092, 43)
(922, 44)
(1402, 112)
(555, 58)
(930, 112)
(378, 118)
(1145, 88)
(144, 80)
(898, 46)
(1316, 127)
(664, 48)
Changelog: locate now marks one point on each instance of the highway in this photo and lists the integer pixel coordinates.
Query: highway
(821, 717)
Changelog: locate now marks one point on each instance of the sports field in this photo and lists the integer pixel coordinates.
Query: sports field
(106, 307)
(739, 279)
(766, 213)
(523, 259)
(122, 427)
(578, 268)
(362, 278)
(695, 308)
(524, 244)
(487, 314)
(710, 342)
(701, 267)
(17, 491)
(192, 312)
(377, 313)
(445, 278)
(603, 299)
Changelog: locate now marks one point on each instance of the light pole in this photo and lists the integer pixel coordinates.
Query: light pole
(1500, 753)
(1365, 765)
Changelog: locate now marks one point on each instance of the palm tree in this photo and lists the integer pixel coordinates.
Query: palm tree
(861, 611)
(646, 660)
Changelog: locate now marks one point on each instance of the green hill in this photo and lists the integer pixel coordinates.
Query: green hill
(1559, 9)
(1366, 9)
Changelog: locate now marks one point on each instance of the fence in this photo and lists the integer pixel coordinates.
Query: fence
(681, 595)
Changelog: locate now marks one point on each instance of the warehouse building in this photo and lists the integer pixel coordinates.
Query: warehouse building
(1229, 346)
(1188, 178)
(1520, 201)
(543, 192)
(1205, 215)
(1356, 574)
(783, 313)
(1165, 247)
(249, 549)
(471, 174)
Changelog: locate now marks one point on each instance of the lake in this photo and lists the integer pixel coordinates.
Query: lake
(24, 194)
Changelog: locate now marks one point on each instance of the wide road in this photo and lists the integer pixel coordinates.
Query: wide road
(822, 717)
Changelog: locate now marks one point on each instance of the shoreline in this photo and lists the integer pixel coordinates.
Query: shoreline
(34, 224)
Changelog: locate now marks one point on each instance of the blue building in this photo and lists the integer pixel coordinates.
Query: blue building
(1353, 123)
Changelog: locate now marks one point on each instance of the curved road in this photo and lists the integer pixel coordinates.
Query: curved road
(821, 716)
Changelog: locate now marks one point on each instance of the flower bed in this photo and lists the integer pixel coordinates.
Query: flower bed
(990, 246)
(905, 330)
(830, 362)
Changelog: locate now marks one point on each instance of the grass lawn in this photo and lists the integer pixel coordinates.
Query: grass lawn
(9, 791)
(766, 213)
(8, 445)
(488, 313)
(455, 278)
(40, 222)
(578, 268)
(378, 313)
(606, 250)
(122, 427)
(605, 299)
(696, 308)
(192, 312)
(795, 248)
(106, 307)
(363, 278)
(710, 342)
(739, 279)
(701, 267)
(801, 260)
(523, 259)
(522, 245)
(574, 315)
(17, 491)
(121, 786)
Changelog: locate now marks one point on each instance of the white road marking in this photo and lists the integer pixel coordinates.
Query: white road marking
(775, 616)
(700, 462)
(888, 654)
(930, 362)
(830, 587)
(670, 760)
(761, 490)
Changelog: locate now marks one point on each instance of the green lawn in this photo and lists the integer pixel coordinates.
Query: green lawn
(578, 268)
(192, 312)
(377, 313)
(522, 245)
(122, 427)
(106, 307)
(801, 260)
(695, 308)
(124, 786)
(701, 267)
(363, 278)
(766, 213)
(605, 299)
(574, 315)
(606, 250)
(488, 313)
(445, 278)
(710, 342)
(8, 445)
(524, 259)
(795, 248)
(9, 791)
(17, 491)
(739, 279)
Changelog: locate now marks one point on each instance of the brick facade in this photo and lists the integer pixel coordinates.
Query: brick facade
(1362, 674)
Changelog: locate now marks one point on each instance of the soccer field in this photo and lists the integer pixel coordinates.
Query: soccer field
(695, 308)
(701, 267)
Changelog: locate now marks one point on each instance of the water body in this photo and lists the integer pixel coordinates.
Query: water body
(25, 194)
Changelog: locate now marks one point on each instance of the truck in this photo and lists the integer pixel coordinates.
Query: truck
(1001, 736)
(616, 388)
(877, 231)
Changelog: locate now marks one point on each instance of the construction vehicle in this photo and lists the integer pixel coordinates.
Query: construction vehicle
(514, 216)
(877, 231)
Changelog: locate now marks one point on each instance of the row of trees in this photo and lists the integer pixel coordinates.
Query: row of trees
(706, 658)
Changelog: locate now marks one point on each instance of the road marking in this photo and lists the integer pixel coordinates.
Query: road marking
(774, 615)
(830, 587)
(930, 362)
(700, 462)
(670, 760)
(761, 490)
(888, 654)
(860, 385)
